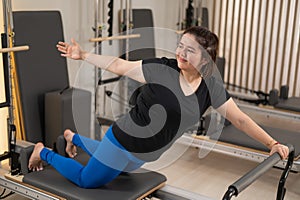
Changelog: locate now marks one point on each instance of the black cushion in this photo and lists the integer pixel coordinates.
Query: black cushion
(126, 186)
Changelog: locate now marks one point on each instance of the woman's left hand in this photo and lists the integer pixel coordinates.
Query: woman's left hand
(281, 149)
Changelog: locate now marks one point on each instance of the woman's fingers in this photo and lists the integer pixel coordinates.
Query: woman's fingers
(281, 149)
(63, 48)
(69, 50)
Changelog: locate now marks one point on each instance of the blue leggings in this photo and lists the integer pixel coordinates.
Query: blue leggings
(108, 159)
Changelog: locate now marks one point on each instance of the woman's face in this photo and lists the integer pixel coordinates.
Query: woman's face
(188, 53)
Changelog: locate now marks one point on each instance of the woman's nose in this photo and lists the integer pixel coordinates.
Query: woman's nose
(182, 53)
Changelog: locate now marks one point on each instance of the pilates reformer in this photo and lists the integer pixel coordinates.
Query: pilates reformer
(24, 187)
(275, 98)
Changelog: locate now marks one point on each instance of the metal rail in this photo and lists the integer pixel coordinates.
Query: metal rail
(233, 150)
(25, 190)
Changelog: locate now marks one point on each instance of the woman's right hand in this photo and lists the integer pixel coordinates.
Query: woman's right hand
(72, 50)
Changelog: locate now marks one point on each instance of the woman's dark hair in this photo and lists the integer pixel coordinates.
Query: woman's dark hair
(207, 39)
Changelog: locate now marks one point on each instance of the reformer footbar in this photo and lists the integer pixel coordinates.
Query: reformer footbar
(251, 176)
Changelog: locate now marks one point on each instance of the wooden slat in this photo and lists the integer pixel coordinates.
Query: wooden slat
(262, 66)
(289, 73)
(285, 31)
(277, 46)
(256, 44)
(120, 37)
(13, 49)
(267, 65)
(231, 47)
(151, 191)
(250, 46)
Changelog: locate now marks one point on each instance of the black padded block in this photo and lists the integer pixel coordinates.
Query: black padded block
(67, 109)
(127, 186)
(274, 97)
(232, 135)
(24, 158)
(284, 92)
(60, 145)
(41, 69)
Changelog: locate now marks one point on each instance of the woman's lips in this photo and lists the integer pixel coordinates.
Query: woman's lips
(181, 59)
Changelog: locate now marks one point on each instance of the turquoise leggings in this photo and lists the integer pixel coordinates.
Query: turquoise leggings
(108, 158)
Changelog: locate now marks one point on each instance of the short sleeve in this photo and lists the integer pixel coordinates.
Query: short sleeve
(154, 67)
(217, 92)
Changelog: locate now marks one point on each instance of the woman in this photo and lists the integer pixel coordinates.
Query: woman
(175, 94)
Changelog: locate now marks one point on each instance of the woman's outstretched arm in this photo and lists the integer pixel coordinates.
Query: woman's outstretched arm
(243, 122)
(118, 66)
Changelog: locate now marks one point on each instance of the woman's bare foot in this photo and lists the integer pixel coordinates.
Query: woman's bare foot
(35, 162)
(70, 148)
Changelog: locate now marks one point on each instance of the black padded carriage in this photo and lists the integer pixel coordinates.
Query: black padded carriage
(127, 186)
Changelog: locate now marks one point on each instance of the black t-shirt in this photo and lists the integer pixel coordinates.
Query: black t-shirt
(162, 111)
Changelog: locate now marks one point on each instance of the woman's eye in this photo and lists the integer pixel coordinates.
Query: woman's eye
(191, 51)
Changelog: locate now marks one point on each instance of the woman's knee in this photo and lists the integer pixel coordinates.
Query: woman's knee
(98, 179)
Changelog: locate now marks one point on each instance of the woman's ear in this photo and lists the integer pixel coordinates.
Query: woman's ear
(203, 61)
(206, 68)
